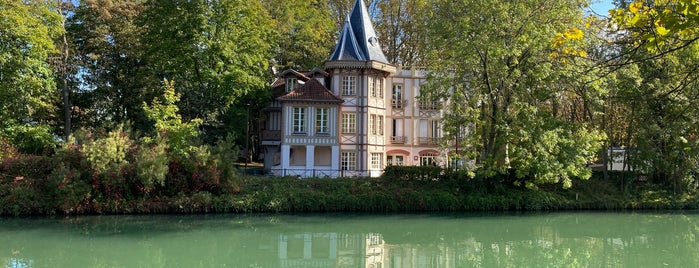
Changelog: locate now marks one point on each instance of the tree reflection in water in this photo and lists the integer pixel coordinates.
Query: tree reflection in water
(465, 240)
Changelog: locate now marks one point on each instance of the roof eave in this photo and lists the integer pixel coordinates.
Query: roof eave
(372, 64)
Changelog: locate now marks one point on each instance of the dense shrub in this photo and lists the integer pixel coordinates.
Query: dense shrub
(151, 166)
(412, 173)
(108, 154)
(29, 138)
(7, 150)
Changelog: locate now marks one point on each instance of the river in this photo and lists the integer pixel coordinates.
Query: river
(560, 239)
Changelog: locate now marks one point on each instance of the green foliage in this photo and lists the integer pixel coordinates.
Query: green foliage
(7, 150)
(657, 102)
(29, 138)
(215, 51)
(106, 47)
(659, 25)
(108, 154)
(552, 150)
(68, 189)
(152, 165)
(169, 126)
(402, 31)
(21, 185)
(494, 64)
(304, 33)
(27, 86)
(411, 173)
(223, 154)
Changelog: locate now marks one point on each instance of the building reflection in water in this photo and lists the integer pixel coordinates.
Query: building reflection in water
(357, 250)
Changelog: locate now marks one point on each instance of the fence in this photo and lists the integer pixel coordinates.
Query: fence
(324, 173)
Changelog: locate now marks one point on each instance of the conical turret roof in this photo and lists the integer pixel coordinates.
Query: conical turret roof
(347, 47)
(358, 40)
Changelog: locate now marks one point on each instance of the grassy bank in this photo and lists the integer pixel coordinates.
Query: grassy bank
(43, 192)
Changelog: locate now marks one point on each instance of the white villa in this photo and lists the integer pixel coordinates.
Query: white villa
(355, 117)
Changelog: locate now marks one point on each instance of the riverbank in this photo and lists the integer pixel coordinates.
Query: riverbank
(253, 194)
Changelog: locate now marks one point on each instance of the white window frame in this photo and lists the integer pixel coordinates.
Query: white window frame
(434, 131)
(428, 160)
(322, 120)
(348, 160)
(372, 124)
(372, 88)
(349, 123)
(395, 160)
(397, 96)
(349, 85)
(291, 84)
(299, 120)
(375, 162)
(379, 125)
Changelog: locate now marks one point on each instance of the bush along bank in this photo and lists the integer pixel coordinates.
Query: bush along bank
(67, 183)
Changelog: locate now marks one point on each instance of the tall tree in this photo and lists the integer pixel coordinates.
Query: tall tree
(497, 59)
(339, 9)
(214, 51)
(401, 26)
(63, 65)
(305, 33)
(27, 82)
(110, 57)
(658, 40)
(665, 106)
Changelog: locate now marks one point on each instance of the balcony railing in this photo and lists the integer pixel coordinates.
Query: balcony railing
(427, 141)
(398, 103)
(398, 139)
(271, 135)
(324, 173)
(428, 105)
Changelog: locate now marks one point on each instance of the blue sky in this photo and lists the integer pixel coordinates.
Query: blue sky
(602, 6)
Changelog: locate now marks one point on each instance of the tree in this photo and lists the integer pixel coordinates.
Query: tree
(401, 25)
(113, 77)
(660, 26)
(339, 9)
(215, 51)
(179, 136)
(64, 65)
(304, 33)
(660, 104)
(27, 82)
(658, 39)
(498, 58)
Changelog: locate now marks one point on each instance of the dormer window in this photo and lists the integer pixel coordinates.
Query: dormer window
(291, 84)
(373, 41)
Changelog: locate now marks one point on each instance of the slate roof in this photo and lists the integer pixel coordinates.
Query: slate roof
(301, 75)
(311, 91)
(358, 40)
(347, 47)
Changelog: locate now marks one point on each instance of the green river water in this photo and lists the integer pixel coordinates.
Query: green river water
(405, 240)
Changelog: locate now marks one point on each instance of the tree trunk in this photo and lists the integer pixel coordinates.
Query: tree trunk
(63, 66)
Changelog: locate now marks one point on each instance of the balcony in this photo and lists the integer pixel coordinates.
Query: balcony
(427, 141)
(271, 135)
(398, 103)
(398, 139)
(428, 105)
